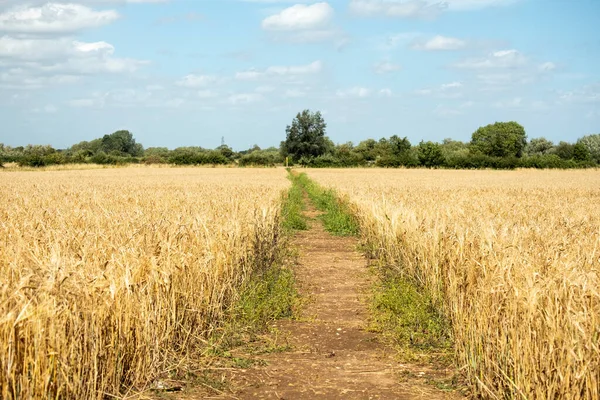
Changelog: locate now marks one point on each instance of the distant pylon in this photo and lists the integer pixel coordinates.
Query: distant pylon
(222, 140)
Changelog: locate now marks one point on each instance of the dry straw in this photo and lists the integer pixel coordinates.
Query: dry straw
(110, 278)
(513, 258)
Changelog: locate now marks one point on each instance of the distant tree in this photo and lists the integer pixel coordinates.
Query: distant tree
(564, 150)
(87, 148)
(367, 149)
(121, 142)
(39, 156)
(581, 152)
(430, 154)
(399, 146)
(226, 151)
(501, 139)
(305, 137)
(592, 143)
(539, 146)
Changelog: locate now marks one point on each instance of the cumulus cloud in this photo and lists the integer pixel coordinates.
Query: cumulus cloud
(305, 24)
(300, 17)
(53, 18)
(438, 43)
(37, 62)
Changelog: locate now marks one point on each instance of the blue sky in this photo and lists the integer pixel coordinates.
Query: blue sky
(184, 72)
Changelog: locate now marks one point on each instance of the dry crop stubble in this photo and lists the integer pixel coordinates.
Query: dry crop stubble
(110, 278)
(512, 257)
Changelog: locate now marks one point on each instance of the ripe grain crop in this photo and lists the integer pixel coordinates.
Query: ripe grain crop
(512, 258)
(112, 278)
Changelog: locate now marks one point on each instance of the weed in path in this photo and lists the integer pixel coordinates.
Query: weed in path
(337, 217)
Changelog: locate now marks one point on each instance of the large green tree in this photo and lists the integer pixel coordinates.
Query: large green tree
(501, 139)
(592, 143)
(305, 137)
(430, 154)
(121, 142)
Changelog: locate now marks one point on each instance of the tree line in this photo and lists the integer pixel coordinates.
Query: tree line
(502, 145)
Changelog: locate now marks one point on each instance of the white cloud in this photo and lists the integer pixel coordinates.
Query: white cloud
(31, 63)
(294, 93)
(385, 93)
(245, 98)
(547, 67)
(206, 94)
(464, 5)
(386, 67)
(82, 103)
(418, 8)
(399, 8)
(281, 71)
(195, 81)
(392, 41)
(446, 91)
(54, 18)
(300, 17)
(444, 111)
(451, 85)
(440, 43)
(496, 60)
(47, 109)
(355, 92)
(264, 89)
(511, 103)
(585, 94)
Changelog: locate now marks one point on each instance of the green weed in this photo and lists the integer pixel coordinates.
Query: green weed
(337, 217)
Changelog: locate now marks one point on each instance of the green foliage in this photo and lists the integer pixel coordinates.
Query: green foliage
(399, 147)
(337, 217)
(408, 316)
(430, 154)
(270, 295)
(292, 207)
(501, 139)
(564, 150)
(121, 143)
(196, 156)
(226, 151)
(538, 147)
(592, 143)
(40, 156)
(581, 152)
(265, 158)
(87, 148)
(306, 136)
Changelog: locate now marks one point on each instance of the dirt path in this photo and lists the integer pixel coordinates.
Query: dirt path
(331, 356)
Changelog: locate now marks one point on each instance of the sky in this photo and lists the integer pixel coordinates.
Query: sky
(194, 72)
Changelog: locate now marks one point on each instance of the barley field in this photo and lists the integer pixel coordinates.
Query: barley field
(112, 277)
(513, 259)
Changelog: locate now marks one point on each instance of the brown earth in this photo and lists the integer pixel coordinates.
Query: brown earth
(331, 354)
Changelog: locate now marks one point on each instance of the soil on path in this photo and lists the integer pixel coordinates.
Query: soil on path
(332, 355)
